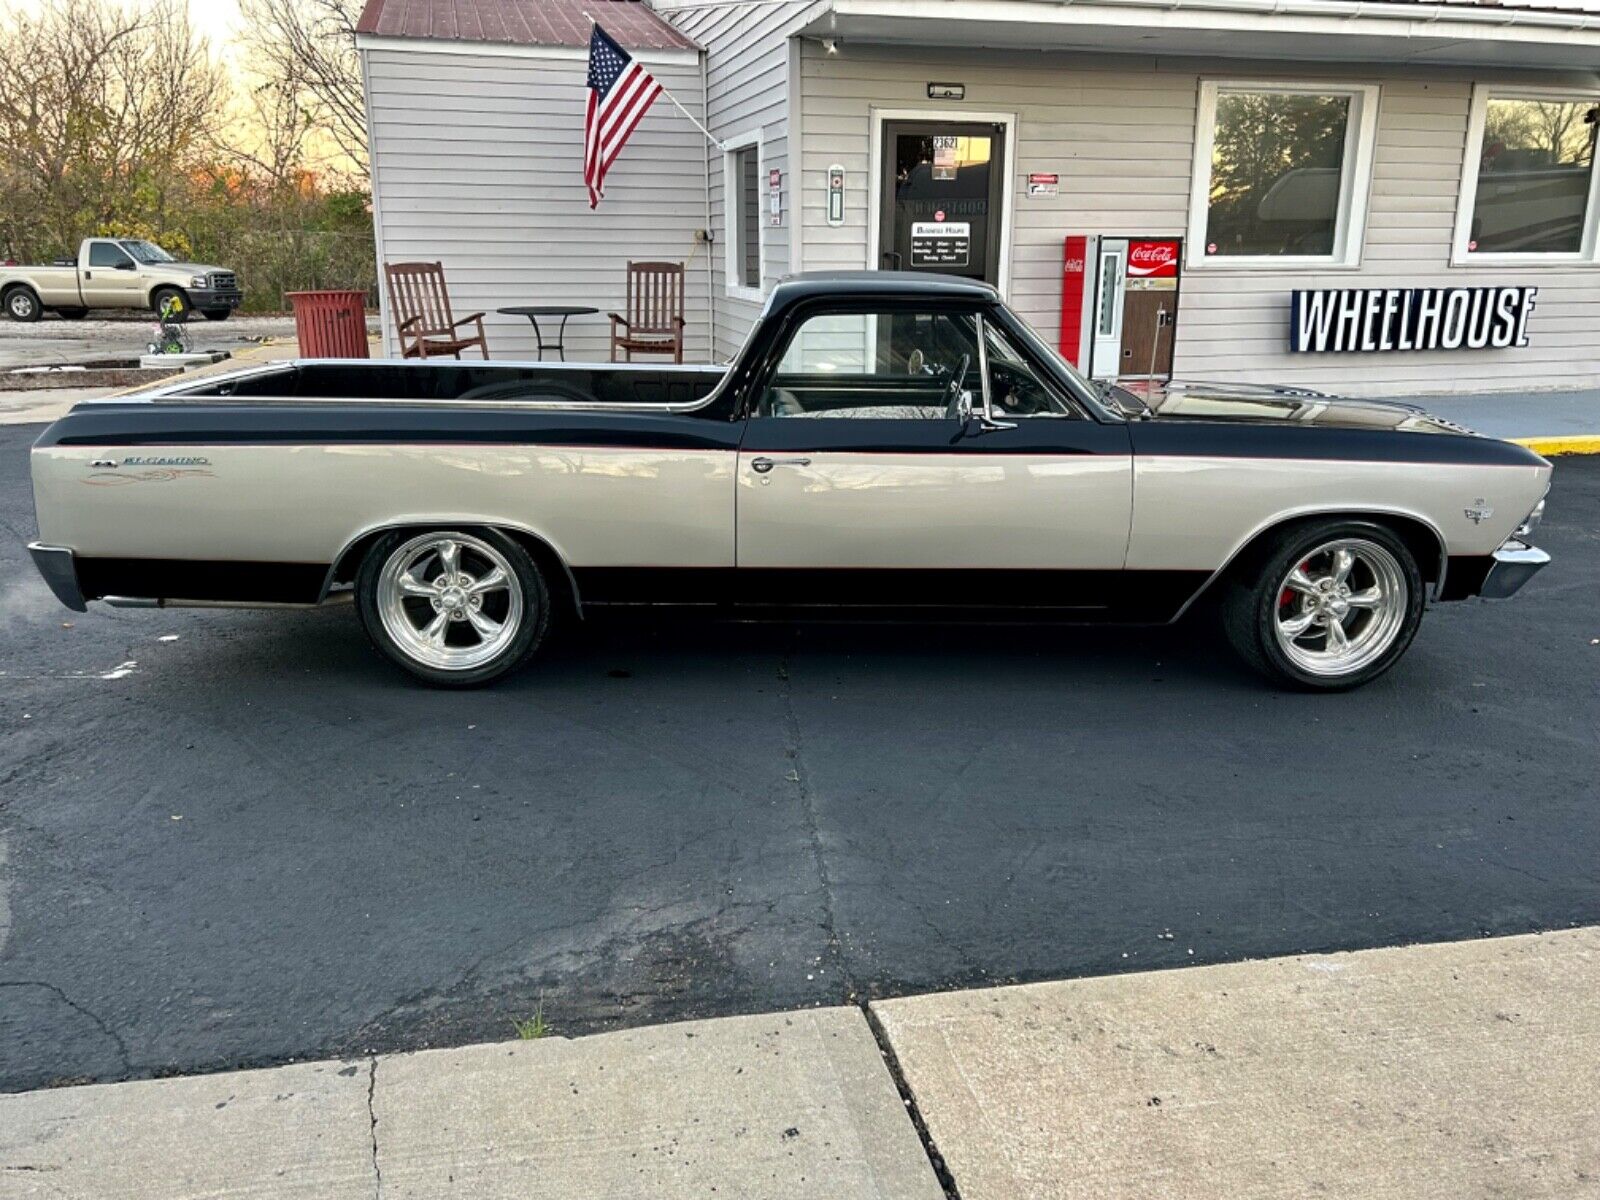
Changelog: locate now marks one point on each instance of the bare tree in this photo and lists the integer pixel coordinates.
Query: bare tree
(103, 106)
(307, 48)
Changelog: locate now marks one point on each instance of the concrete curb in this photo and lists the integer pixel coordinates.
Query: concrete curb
(1573, 444)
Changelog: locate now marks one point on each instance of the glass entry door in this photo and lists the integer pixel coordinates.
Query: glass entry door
(943, 198)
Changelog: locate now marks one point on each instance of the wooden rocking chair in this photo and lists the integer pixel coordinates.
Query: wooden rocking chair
(420, 303)
(654, 324)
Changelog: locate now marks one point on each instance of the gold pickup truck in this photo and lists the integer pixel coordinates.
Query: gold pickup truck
(118, 273)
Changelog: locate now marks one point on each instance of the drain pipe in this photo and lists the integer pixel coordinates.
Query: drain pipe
(711, 246)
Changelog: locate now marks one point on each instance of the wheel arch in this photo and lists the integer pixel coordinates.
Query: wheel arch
(21, 285)
(157, 288)
(1421, 536)
(543, 552)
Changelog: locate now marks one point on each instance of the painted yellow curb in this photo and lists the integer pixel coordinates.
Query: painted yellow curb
(1586, 443)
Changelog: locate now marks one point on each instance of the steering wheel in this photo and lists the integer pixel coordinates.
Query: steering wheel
(952, 408)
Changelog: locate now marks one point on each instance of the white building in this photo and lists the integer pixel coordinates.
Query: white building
(1149, 183)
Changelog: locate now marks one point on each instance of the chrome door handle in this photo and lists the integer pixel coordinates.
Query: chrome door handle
(762, 465)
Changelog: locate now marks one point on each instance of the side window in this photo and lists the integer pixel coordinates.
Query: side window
(1015, 389)
(905, 365)
(106, 254)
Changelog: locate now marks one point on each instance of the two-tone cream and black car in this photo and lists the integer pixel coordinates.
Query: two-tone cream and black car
(883, 443)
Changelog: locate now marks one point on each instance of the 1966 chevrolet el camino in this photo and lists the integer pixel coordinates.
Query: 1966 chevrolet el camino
(884, 442)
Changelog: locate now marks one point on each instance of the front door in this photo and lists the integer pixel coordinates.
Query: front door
(862, 481)
(111, 277)
(943, 198)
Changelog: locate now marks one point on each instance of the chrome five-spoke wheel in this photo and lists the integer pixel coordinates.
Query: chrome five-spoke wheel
(455, 607)
(449, 600)
(1326, 604)
(1341, 607)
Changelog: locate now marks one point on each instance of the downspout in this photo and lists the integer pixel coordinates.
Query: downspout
(711, 247)
(385, 318)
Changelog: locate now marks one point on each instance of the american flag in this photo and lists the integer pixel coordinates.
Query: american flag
(620, 93)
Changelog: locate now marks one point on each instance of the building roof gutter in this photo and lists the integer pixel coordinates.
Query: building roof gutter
(1379, 30)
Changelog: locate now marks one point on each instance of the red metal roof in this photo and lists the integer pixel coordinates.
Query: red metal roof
(522, 22)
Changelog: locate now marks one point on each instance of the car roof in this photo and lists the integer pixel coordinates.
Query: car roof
(812, 284)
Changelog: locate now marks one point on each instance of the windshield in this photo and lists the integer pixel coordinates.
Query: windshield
(146, 252)
(1085, 386)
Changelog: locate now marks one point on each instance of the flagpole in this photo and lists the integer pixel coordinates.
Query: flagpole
(715, 141)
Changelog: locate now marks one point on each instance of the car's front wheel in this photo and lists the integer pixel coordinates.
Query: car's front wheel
(1331, 605)
(170, 304)
(454, 607)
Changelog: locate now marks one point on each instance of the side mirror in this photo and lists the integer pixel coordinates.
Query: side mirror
(127, 264)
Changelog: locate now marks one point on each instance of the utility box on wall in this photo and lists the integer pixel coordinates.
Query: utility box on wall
(1119, 305)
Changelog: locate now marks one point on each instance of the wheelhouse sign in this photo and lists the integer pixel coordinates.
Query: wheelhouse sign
(1363, 320)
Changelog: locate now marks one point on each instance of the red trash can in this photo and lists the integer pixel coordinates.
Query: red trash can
(331, 324)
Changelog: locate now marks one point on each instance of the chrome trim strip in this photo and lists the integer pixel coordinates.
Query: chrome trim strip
(56, 566)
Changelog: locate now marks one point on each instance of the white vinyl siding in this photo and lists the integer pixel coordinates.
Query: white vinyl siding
(478, 163)
(1120, 133)
(747, 78)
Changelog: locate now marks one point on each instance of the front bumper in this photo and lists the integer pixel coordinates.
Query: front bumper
(1514, 564)
(203, 298)
(56, 565)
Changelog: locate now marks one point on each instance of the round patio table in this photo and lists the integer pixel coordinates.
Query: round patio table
(534, 311)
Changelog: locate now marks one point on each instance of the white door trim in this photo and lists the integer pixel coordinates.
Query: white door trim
(933, 113)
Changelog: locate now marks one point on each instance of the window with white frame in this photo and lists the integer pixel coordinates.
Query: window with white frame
(1281, 173)
(1530, 191)
(741, 183)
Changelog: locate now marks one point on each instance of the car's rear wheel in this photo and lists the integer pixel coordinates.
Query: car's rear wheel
(454, 607)
(1330, 606)
(22, 304)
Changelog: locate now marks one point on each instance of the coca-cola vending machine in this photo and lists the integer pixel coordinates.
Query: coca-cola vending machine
(1119, 305)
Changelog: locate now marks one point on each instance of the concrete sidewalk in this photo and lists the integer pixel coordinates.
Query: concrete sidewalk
(1453, 1071)
(1564, 422)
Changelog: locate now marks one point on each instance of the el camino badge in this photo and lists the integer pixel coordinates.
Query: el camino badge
(1478, 511)
(152, 470)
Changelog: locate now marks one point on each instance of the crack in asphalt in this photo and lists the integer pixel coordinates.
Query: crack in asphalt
(372, 1116)
(794, 751)
(116, 1039)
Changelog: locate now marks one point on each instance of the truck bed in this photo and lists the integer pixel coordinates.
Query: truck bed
(457, 383)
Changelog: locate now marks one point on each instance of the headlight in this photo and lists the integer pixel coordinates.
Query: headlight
(199, 281)
(1530, 522)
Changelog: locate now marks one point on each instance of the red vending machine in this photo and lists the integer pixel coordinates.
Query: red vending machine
(1119, 305)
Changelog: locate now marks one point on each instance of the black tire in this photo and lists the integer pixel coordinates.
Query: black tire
(160, 296)
(1257, 591)
(216, 314)
(371, 592)
(72, 314)
(22, 304)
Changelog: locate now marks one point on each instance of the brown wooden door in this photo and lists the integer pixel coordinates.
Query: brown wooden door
(1148, 321)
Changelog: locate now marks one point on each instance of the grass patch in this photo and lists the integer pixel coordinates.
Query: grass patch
(529, 1028)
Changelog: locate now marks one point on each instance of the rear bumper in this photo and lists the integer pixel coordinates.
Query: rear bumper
(60, 572)
(1514, 564)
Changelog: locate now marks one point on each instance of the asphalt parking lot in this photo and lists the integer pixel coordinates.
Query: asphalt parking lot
(233, 838)
(51, 340)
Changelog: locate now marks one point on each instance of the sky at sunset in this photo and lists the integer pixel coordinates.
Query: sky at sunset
(216, 19)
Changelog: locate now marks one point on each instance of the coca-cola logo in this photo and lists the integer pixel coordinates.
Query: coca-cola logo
(1153, 258)
(1074, 266)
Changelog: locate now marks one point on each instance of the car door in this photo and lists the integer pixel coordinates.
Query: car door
(110, 278)
(863, 480)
